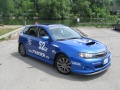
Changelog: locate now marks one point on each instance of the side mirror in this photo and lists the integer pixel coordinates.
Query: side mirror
(45, 38)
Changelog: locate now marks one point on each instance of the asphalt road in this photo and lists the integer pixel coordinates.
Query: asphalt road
(26, 73)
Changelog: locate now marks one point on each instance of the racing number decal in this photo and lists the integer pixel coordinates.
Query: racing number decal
(42, 46)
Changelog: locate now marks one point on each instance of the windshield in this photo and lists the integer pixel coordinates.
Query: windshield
(63, 32)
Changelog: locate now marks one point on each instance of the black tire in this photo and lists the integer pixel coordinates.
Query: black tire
(22, 50)
(63, 64)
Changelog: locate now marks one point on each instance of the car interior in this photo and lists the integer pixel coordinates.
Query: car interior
(42, 33)
(32, 33)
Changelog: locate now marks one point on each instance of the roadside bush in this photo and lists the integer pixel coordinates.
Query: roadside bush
(113, 17)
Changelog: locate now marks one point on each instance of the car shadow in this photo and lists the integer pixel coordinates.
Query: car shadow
(51, 70)
(118, 31)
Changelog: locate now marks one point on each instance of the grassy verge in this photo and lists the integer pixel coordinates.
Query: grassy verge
(98, 25)
(6, 30)
(2, 39)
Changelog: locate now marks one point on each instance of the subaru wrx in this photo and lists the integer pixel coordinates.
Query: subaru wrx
(65, 48)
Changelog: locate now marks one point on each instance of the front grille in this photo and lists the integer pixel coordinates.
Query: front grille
(99, 66)
(101, 54)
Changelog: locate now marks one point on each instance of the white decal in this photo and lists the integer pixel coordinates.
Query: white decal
(76, 63)
(55, 45)
(96, 63)
(42, 46)
(82, 40)
(29, 41)
(38, 53)
(53, 51)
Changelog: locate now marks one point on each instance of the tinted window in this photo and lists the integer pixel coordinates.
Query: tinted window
(25, 30)
(42, 32)
(32, 31)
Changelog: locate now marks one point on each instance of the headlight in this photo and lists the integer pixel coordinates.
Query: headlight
(86, 55)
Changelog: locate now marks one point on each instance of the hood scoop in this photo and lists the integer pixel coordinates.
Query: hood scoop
(90, 43)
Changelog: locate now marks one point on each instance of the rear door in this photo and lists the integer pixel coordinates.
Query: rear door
(30, 37)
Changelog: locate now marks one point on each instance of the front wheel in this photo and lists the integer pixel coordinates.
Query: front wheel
(63, 64)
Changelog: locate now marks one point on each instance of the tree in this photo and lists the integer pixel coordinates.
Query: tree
(100, 8)
(6, 6)
(80, 7)
(54, 9)
(118, 2)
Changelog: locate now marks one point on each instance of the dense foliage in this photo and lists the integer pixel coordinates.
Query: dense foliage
(56, 9)
(118, 2)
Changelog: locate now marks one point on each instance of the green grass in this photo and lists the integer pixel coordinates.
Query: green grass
(6, 30)
(102, 25)
(2, 39)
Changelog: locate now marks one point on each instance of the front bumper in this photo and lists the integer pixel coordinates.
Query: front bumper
(86, 67)
(99, 71)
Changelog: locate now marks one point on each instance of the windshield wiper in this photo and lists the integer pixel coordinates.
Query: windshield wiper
(60, 39)
(68, 38)
(74, 38)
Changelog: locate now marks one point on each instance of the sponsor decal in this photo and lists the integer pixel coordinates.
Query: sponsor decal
(96, 63)
(55, 45)
(82, 40)
(29, 41)
(76, 63)
(42, 46)
(41, 54)
(53, 51)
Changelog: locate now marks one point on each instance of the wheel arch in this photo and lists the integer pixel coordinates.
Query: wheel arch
(58, 54)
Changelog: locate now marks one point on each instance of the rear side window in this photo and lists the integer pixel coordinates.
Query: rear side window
(25, 30)
(32, 31)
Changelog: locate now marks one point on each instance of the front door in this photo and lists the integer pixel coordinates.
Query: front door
(45, 49)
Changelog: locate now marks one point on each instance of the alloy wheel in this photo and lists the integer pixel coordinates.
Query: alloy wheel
(63, 65)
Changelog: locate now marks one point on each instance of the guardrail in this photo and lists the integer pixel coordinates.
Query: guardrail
(96, 24)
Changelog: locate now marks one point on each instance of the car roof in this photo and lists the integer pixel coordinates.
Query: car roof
(46, 25)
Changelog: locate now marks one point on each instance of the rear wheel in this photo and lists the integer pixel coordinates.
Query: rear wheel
(22, 50)
(63, 64)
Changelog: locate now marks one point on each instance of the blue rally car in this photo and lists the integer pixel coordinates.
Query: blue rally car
(64, 48)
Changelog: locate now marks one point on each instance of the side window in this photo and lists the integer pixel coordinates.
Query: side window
(32, 31)
(42, 32)
(118, 22)
(25, 30)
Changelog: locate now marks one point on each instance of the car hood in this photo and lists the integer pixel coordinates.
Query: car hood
(84, 45)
